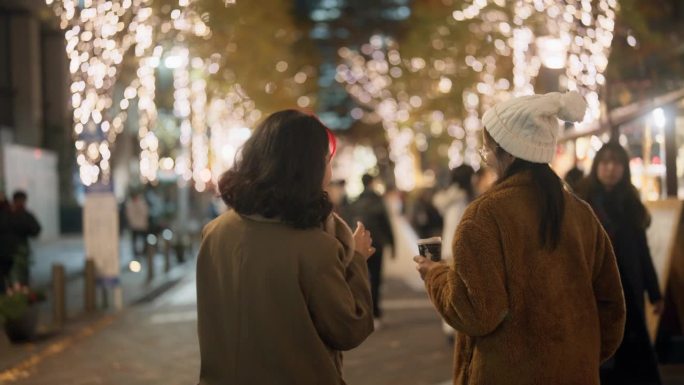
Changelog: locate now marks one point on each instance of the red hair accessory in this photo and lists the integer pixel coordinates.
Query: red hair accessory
(332, 142)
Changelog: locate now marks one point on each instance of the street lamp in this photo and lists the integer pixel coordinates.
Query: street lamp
(552, 52)
(659, 118)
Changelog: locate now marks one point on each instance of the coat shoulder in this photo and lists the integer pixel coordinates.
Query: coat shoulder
(313, 239)
(580, 209)
(483, 206)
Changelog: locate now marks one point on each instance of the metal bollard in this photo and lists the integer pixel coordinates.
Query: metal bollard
(58, 295)
(167, 255)
(90, 301)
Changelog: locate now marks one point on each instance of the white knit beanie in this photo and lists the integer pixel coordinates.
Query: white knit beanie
(527, 126)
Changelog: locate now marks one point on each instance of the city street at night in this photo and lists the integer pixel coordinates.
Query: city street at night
(341, 192)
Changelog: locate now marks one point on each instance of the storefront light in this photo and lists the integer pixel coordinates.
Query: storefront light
(659, 118)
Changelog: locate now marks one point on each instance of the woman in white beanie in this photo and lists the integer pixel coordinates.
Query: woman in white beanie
(534, 291)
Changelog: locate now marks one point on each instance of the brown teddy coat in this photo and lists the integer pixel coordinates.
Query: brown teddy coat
(276, 305)
(525, 315)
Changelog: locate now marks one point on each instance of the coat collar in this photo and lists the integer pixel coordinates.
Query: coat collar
(522, 178)
(260, 218)
(333, 225)
(336, 227)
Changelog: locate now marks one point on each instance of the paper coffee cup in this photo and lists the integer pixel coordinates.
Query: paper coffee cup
(431, 248)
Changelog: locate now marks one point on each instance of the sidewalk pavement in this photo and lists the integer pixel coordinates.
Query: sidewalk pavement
(69, 252)
(156, 344)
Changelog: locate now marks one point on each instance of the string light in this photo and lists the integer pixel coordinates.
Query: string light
(182, 110)
(147, 109)
(104, 38)
(98, 35)
(575, 35)
(229, 118)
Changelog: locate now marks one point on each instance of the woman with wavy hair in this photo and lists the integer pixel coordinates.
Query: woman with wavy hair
(282, 283)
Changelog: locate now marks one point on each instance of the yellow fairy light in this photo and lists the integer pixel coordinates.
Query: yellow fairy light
(98, 34)
(577, 38)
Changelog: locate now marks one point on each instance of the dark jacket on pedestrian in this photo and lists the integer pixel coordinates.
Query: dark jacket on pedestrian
(7, 238)
(635, 361)
(345, 210)
(370, 209)
(424, 216)
(276, 304)
(24, 225)
(7, 246)
(631, 248)
(526, 315)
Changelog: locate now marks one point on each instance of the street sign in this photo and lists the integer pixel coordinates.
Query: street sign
(101, 234)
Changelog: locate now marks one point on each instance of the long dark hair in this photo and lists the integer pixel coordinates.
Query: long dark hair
(548, 190)
(281, 169)
(623, 195)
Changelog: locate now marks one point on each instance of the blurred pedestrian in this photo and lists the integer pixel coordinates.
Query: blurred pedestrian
(340, 201)
(24, 225)
(534, 290)
(6, 244)
(423, 215)
(616, 202)
(282, 283)
(452, 202)
(370, 209)
(573, 178)
(156, 208)
(138, 218)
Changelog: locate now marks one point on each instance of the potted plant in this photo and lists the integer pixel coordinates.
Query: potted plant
(19, 312)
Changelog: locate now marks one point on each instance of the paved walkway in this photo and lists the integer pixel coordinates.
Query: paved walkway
(156, 343)
(68, 251)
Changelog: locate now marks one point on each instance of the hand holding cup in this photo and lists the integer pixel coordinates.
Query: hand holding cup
(430, 255)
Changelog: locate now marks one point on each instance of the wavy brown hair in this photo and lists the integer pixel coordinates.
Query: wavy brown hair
(280, 171)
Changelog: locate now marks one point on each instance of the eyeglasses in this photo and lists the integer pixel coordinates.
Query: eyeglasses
(485, 151)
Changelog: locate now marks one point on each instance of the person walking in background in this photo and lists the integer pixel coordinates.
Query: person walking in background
(370, 209)
(23, 225)
(6, 244)
(340, 201)
(534, 291)
(423, 215)
(282, 283)
(451, 204)
(616, 202)
(138, 219)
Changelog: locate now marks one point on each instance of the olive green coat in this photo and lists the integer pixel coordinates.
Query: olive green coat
(277, 305)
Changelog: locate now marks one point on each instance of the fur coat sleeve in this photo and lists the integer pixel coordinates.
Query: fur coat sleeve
(472, 295)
